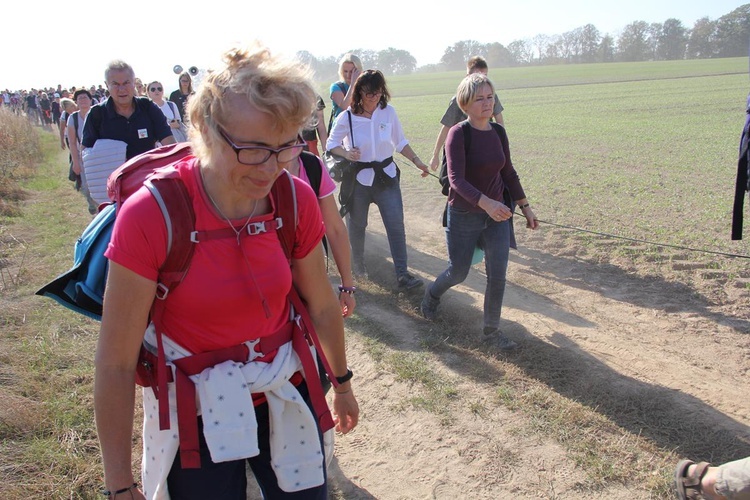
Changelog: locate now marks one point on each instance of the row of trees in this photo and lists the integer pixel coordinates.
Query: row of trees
(727, 36)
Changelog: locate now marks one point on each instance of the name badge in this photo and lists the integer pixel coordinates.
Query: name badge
(142, 133)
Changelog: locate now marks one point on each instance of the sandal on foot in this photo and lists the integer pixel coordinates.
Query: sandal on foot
(688, 487)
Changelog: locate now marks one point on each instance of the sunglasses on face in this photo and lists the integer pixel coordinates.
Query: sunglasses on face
(155, 89)
(372, 95)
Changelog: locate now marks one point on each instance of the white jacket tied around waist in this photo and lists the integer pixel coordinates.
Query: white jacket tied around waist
(223, 392)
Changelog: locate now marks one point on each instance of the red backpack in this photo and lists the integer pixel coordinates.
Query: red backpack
(82, 287)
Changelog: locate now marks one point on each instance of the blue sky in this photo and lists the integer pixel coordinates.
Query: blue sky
(153, 37)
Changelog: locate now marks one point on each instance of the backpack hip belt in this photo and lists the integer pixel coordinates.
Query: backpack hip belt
(242, 353)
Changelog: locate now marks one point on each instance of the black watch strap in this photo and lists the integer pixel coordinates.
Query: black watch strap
(345, 378)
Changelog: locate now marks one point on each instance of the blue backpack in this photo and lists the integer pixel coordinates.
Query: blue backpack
(82, 287)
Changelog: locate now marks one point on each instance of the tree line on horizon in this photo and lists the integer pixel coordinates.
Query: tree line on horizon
(727, 36)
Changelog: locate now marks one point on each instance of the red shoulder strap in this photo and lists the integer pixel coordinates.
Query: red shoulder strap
(176, 206)
(285, 207)
(174, 201)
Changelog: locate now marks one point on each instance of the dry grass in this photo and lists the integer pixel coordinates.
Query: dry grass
(48, 444)
(19, 152)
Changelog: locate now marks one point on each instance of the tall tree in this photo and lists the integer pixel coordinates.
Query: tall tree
(521, 51)
(632, 44)
(702, 40)
(733, 32)
(498, 56)
(606, 52)
(539, 43)
(455, 56)
(673, 41)
(570, 46)
(653, 35)
(590, 39)
(396, 62)
(553, 51)
(369, 58)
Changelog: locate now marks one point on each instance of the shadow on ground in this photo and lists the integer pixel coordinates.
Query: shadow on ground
(672, 420)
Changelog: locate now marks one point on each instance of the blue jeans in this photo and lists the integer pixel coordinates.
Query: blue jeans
(227, 480)
(388, 199)
(464, 231)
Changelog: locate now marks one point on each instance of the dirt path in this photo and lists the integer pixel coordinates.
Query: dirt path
(640, 349)
(648, 353)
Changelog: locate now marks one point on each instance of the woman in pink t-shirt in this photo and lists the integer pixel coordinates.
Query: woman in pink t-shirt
(248, 116)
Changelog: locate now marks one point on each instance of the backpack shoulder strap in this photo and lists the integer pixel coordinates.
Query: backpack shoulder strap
(75, 126)
(176, 206)
(466, 129)
(173, 107)
(313, 169)
(285, 208)
(499, 129)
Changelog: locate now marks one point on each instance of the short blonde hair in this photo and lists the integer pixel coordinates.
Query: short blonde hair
(65, 103)
(349, 58)
(281, 88)
(468, 88)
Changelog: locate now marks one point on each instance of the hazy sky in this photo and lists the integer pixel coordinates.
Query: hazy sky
(46, 46)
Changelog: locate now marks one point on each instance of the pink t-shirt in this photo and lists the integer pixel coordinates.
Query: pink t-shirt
(327, 185)
(220, 301)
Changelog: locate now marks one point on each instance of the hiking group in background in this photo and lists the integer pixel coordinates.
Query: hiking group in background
(246, 138)
(68, 109)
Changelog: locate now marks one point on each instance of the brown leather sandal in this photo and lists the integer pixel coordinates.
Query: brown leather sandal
(688, 487)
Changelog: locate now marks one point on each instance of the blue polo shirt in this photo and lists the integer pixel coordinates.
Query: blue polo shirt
(140, 132)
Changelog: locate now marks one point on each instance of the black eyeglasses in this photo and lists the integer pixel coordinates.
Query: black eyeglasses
(377, 94)
(156, 89)
(255, 155)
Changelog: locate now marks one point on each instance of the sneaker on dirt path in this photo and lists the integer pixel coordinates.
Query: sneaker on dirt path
(496, 339)
(429, 305)
(408, 281)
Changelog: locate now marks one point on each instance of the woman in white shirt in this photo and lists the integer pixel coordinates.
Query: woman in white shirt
(375, 134)
(171, 113)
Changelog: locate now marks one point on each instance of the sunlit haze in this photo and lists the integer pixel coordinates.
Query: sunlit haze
(45, 46)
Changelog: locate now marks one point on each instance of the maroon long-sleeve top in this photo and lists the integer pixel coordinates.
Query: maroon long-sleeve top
(486, 168)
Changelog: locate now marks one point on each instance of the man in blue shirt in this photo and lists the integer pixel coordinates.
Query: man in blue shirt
(124, 117)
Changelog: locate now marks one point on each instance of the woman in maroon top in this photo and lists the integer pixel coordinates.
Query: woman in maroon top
(476, 212)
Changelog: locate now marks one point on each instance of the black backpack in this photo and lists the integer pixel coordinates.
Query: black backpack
(313, 169)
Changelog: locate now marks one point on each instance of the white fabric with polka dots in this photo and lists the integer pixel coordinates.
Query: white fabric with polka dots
(229, 422)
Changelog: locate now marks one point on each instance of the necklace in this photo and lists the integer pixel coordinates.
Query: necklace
(239, 231)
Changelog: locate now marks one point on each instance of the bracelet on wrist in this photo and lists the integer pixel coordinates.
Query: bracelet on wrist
(347, 289)
(525, 205)
(108, 493)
